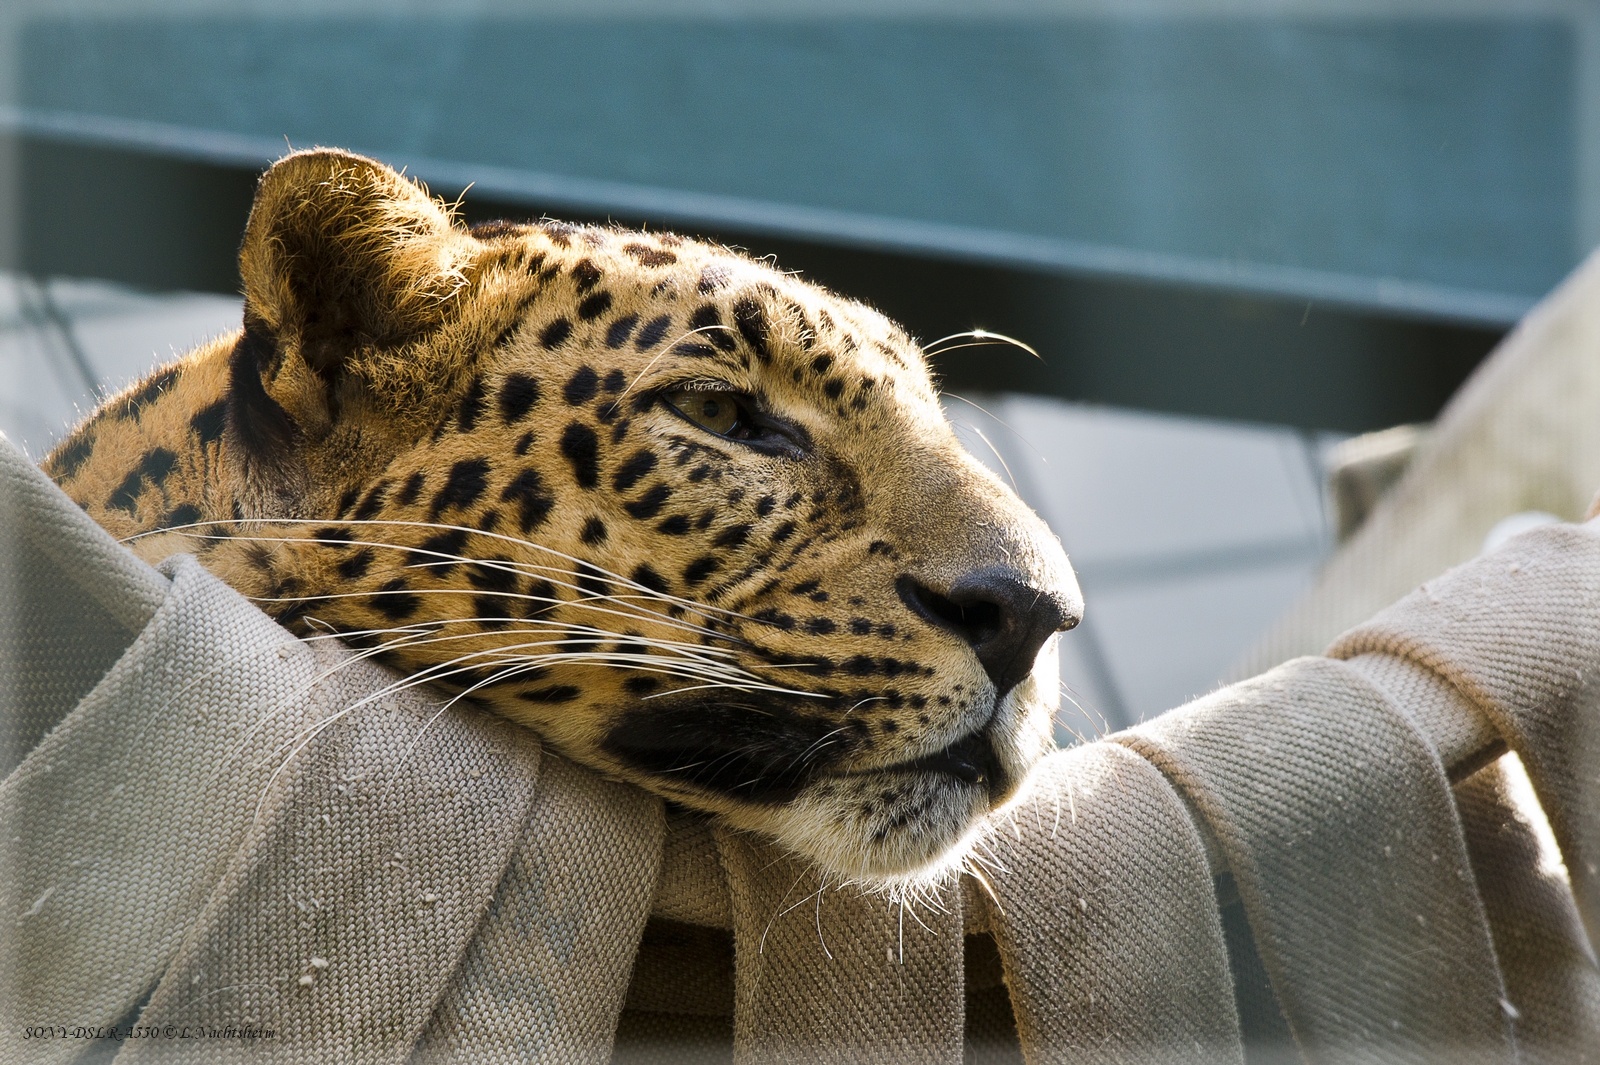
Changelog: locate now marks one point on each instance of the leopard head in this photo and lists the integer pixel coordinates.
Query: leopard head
(699, 523)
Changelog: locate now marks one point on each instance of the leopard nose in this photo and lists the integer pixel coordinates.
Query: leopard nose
(1003, 617)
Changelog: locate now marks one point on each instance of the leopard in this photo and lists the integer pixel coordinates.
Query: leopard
(699, 523)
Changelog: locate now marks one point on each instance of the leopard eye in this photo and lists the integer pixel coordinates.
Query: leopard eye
(716, 412)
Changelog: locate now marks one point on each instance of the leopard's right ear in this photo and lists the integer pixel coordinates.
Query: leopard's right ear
(346, 265)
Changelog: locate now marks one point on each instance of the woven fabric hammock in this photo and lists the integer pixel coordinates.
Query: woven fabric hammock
(223, 843)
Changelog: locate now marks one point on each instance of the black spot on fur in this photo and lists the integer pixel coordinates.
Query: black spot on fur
(533, 502)
(674, 525)
(586, 274)
(72, 457)
(713, 278)
(633, 469)
(649, 256)
(495, 229)
(732, 536)
(489, 612)
(834, 388)
(707, 318)
(701, 568)
(148, 392)
(592, 581)
(691, 349)
(393, 602)
(557, 693)
(776, 619)
(594, 532)
(595, 306)
(615, 380)
(517, 396)
(264, 429)
(409, 491)
(646, 577)
(555, 334)
(438, 551)
(466, 483)
(182, 514)
(373, 503)
(524, 442)
(861, 626)
(649, 505)
(582, 451)
(640, 685)
(653, 331)
(821, 363)
(581, 387)
(210, 422)
(765, 505)
(618, 332)
(471, 406)
(820, 626)
(783, 532)
(752, 325)
(332, 535)
(356, 565)
(493, 574)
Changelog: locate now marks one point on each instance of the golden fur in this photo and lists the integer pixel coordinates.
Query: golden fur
(453, 447)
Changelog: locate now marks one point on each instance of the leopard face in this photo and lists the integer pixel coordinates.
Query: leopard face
(699, 523)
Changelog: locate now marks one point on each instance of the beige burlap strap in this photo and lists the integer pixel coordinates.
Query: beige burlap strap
(1106, 919)
(834, 974)
(1518, 634)
(545, 977)
(1336, 820)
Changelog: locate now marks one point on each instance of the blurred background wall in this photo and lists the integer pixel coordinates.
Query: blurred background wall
(1236, 231)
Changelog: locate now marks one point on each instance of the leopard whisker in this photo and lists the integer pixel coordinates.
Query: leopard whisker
(980, 338)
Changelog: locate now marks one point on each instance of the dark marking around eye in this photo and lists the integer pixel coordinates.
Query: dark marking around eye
(732, 536)
(471, 406)
(650, 504)
(393, 603)
(650, 256)
(653, 331)
(409, 490)
(468, 478)
(555, 334)
(674, 525)
(581, 387)
(517, 396)
(437, 551)
(633, 469)
(373, 502)
(210, 422)
(528, 492)
(594, 531)
(595, 306)
(557, 693)
(617, 334)
(582, 451)
(586, 274)
(615, 380)
(356, 565)
(701, 568)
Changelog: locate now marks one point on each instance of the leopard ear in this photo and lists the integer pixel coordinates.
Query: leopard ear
(343, 254)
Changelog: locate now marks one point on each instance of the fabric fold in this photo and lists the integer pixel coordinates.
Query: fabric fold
(1106, 919)
(1338, 825)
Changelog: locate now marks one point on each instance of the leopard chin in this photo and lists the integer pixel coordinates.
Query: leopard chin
(698, 522)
